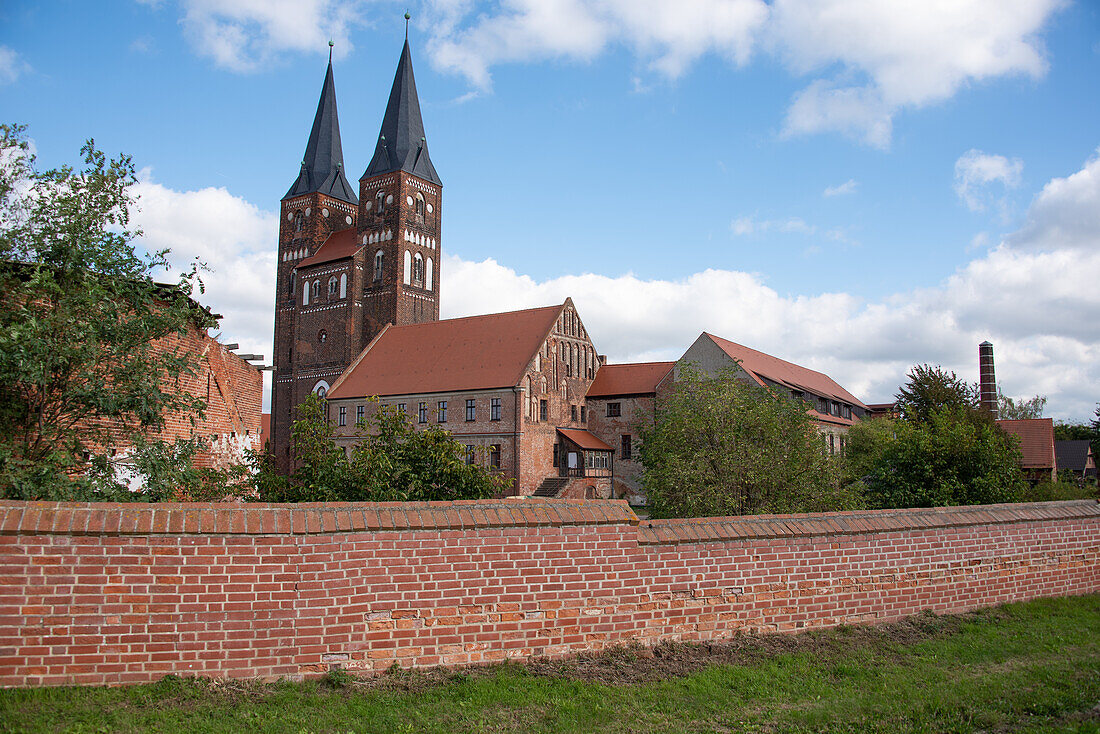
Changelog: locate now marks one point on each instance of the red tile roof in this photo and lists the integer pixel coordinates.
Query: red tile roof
(339, 245)
(472, 353)
(584, 439)
(628, 379)
(762, 366)
(1036, 440)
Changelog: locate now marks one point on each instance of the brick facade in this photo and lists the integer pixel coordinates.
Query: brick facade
(232, 390)
(611, 425)
(106, 594)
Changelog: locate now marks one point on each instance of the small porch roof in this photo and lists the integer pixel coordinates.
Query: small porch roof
(584, 439)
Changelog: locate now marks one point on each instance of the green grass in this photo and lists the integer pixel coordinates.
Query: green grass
(1021, 667)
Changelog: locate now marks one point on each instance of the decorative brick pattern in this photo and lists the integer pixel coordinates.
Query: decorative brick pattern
(108, 594)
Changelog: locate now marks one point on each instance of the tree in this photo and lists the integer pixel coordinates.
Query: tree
(78, 319)
(1010, 409)
(720, 446)
(392, 461)
(930, 389)
(956, 456)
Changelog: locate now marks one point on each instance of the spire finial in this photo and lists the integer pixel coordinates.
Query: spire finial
(330, 45)
(407, 16)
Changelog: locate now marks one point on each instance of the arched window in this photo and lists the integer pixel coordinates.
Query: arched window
(343, 285)
(379, 261)
(419, 204)
(418, 269)
(379, 202)
(408, 267)
(333, 284)
(315, 290)
(321, 389)
(428, 278)
(298, 222)
(305, 294)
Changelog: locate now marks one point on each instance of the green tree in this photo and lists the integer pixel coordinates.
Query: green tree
(720, 446)
(392, 461)
(956, 456)
(78, 318)
(930, 389)
(1010, 409)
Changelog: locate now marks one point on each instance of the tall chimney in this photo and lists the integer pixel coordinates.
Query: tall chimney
(987, 380)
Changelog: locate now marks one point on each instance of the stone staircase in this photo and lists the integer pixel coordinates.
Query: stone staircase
(550, 487)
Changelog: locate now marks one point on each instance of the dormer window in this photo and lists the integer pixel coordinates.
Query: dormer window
(379, 261)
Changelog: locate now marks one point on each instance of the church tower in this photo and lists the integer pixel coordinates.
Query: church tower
(320, 202)
(348, 265)
(400, 213)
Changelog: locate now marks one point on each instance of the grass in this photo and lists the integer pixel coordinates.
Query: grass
(1022, 667)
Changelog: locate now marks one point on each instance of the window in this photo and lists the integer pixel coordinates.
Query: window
(305, 296)
(442, 411)
(322, 336)
(832, 447)
(321, 389)
(315, 290)
(419, 204)
(557, 454)
(625, 453)
(584, 414)
(471, 409)
(422, 413)
(418, 269)
(343, 415)
(470, 454)
(379, 202)
(359, 410)
(543, 412)
(401, 408)
(379, 261)
(333, 284)
(573, 413)
(343, 285)
(408, 267)
(823, 406)
(494, 456)
(428, 279)
(614, 410)
(494, 409)
(846, 411)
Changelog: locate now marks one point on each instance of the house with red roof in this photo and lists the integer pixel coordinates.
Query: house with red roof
(833, 408)
(1036, 440)
(510, 386)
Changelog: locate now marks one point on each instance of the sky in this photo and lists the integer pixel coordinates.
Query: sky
(857, 186)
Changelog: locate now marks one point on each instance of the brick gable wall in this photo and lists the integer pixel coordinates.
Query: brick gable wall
(107, 594)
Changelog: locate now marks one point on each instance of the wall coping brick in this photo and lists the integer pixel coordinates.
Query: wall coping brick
(309, 518)
(748, 527)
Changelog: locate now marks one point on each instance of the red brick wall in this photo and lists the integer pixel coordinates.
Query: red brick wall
(96, 594)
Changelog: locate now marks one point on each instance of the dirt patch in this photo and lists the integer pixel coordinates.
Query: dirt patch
(636, 664)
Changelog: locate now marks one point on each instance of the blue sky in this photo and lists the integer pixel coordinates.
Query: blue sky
(854, 185)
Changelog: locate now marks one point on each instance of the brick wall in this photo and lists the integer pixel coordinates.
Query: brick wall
(96, 594)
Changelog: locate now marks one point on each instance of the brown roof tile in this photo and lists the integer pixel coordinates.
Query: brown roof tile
(628, 379)
(1036, 437)
(761, 366)
(584, 439)
(339, 245)
(472, 353)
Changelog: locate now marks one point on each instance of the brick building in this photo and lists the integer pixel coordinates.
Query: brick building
(1035, 436)
(351, 264)
(510, 386)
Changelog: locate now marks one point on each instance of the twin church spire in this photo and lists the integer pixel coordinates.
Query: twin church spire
(401, 144)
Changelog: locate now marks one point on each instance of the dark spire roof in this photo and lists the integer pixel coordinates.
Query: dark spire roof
(401, 143)
(323, 163)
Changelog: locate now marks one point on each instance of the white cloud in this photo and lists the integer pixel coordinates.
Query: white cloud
(848, 187)
(469, 39)
(751, 225)
(236, 240)
(977, 172)
(246, 35)
(1065, 215)
(12, 65)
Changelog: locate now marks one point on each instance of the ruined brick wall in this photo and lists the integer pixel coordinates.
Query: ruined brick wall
(232, 390)
(106, 594)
